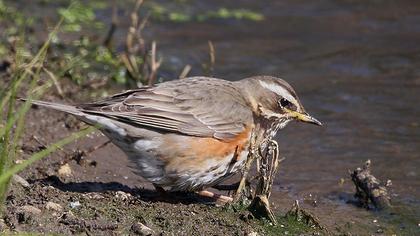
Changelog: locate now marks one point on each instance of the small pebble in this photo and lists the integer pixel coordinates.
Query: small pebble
(65, 170)
(21, 181)
(141, 229)
(95, 196)
(53, 206)
(252, 233)
(30, 209)
(3, 226)
(75, 204)
(122, 195)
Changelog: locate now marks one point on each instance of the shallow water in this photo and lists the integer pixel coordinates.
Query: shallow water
(356, 67)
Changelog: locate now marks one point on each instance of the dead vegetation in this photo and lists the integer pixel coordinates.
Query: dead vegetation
(266, 156)
(139, 59)
(369, 190)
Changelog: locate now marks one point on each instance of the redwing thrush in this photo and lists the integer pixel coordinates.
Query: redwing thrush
(184, 134)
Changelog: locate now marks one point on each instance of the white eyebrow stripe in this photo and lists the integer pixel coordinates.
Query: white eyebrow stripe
(280, 91)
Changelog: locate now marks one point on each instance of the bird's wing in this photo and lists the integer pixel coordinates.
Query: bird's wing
(198, 106)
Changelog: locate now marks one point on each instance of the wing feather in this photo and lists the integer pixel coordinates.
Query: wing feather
(199, 106)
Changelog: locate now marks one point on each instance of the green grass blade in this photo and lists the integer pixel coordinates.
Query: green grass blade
(4, 178)
(20, 123)
(40, 56)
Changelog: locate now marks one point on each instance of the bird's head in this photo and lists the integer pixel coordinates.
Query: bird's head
(274, 99)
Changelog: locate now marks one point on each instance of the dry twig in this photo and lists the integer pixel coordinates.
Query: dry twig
(114, 23)
(185, 72)
(154, 65)
(143, 70)
(212, 55)
(55, 82)
(209, 67)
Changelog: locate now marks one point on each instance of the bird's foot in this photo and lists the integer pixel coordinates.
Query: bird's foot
(220, 199)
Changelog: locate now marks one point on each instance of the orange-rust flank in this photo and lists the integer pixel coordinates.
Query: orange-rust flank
(214, 148)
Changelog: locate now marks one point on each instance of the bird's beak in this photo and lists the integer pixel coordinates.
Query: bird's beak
(304, 117)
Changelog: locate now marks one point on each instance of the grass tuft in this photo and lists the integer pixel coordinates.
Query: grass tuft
(25, 76)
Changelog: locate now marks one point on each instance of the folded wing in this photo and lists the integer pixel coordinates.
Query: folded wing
(199, 106)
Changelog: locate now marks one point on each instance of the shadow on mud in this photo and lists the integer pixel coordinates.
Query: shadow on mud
(143, 194)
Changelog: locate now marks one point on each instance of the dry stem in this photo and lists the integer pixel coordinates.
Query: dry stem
(185, 72)
(267, 156)
(55, 81)
(212, 56)
(267, 169)
(113, 27)
(154, 65)
(143, 71)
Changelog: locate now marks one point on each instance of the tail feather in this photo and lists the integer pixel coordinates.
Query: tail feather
(57, 106)
(102, 122)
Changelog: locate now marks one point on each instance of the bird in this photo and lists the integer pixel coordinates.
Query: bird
(193, 133)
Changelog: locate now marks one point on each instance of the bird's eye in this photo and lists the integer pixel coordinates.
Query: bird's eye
(284, 102)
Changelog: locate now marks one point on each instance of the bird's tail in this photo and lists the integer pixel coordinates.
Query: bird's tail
(57, 106)
(91, 119)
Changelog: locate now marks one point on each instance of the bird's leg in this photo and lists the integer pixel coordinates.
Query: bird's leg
(217, 197)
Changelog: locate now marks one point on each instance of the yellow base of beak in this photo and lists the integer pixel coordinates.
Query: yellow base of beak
(304, 117)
